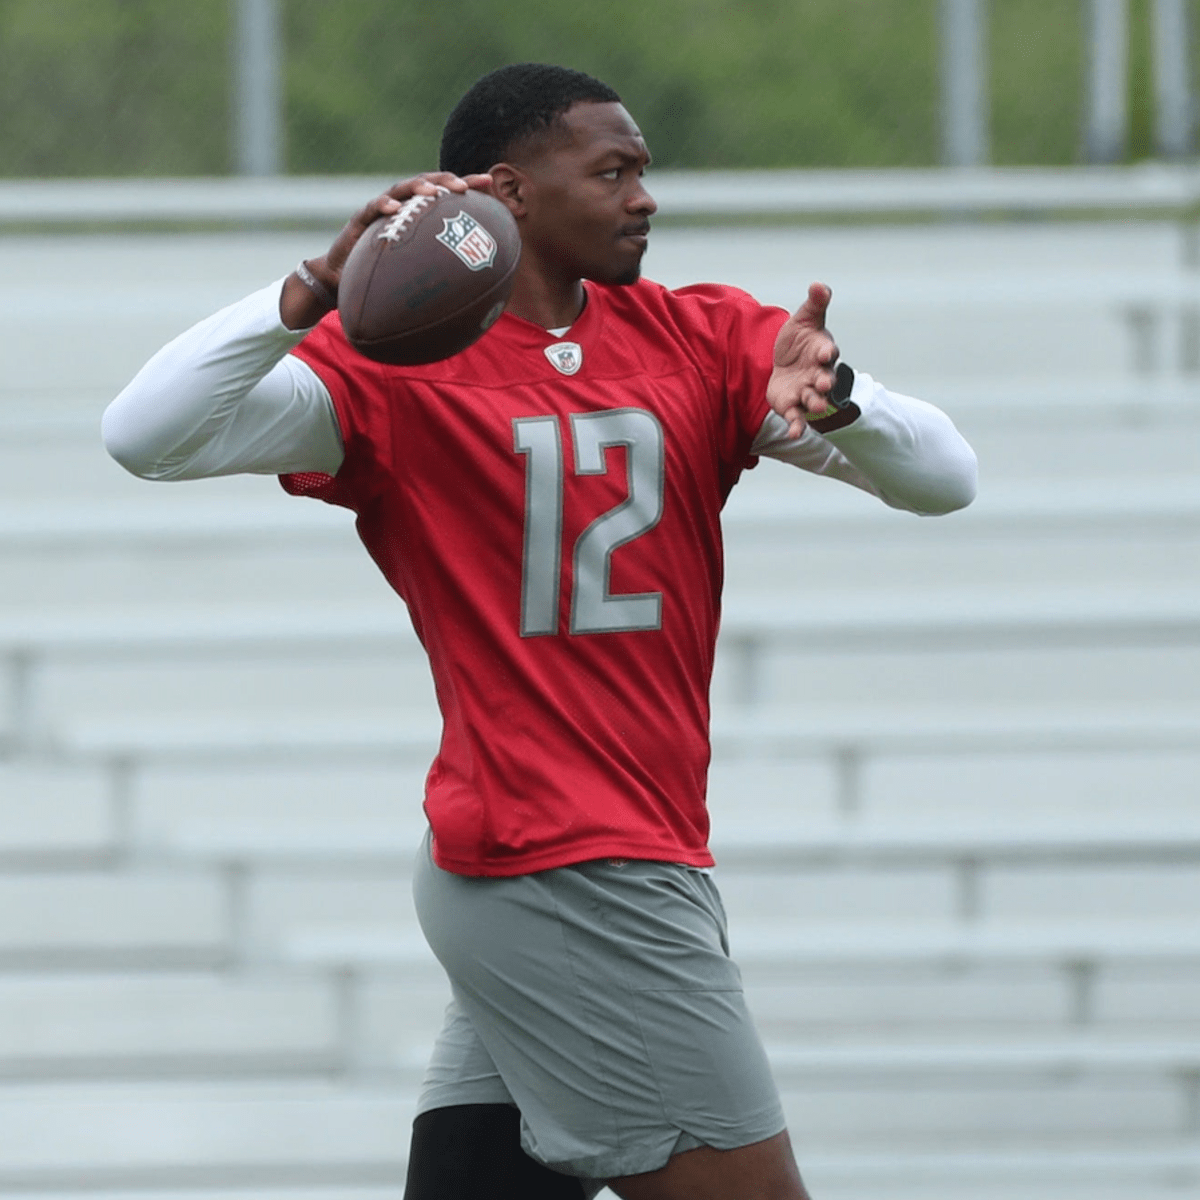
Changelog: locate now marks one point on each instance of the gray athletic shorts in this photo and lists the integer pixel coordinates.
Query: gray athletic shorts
(600, 999)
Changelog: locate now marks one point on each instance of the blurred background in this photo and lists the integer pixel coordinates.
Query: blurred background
(141, 87)
(956, 761)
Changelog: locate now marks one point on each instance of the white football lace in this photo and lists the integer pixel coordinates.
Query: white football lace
(406, 214)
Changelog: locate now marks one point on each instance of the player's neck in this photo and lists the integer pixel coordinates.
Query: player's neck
(550, 303)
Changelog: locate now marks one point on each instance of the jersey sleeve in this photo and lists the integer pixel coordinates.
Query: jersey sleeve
(223, 398)
(903, 450)
(734, 339)
(359, 389)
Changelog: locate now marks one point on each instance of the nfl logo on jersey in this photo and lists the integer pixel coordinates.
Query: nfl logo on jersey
(566, 357)
(469, 240)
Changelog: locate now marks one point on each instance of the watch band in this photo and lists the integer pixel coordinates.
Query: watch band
(314, 285)
(842, 411)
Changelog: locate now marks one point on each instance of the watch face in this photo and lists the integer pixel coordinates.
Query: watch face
(843, 385)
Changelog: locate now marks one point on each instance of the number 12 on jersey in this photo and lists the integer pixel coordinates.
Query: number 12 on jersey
(594, 609)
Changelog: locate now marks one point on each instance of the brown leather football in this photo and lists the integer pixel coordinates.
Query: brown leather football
(427, 281)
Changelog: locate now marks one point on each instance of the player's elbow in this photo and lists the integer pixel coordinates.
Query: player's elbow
(954, 489)
(127, 445)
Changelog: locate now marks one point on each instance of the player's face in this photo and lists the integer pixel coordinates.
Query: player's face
(587, 213)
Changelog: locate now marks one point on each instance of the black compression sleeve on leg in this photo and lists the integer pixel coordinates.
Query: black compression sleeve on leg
(473, 1152)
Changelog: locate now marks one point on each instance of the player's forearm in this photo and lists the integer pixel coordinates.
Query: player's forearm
(910, 451)
(902, 450)
(222, 398)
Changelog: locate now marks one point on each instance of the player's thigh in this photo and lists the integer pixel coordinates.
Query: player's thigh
(473, 1152)
(762, 1171)
(604, 997)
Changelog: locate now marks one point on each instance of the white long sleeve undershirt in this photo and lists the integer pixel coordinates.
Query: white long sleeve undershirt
(226, 397)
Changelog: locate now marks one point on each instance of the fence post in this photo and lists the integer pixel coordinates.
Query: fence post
(964, 83)
(1172, 79)
(258, 96)
(1106, 135)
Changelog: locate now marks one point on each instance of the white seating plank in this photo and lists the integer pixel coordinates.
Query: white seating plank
(358, 947)
(110, 1137)
(777, 507)
(841, 893)
(272, 682)
(1064, 838)
(280, 903)
(257, 736)
(1036, 939)
(1004, 678)
(764, 793)
(170, 573)
(908, 1115)
(1035, 1168)
(970, 616)
(300, 660)
(805, 943)
(62, 1139)
(778, 841)
(816, 999)
(342, 803)
(983, 1058)
(1153, 186)
(84, 916)
(1163, 891)
(399, 1016)
(54, 811)
(1166, 997)
(164, 1024)
(780, 732)
(1083, 791)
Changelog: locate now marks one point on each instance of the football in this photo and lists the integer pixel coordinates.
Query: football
(430, 279)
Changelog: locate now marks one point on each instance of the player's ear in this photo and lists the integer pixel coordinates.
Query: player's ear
(509, 186)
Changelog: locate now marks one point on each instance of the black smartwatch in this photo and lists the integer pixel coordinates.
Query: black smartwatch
(844, 411)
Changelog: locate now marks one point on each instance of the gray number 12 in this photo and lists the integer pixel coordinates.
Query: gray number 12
(594, 609)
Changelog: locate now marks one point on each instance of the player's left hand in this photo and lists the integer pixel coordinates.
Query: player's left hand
(805, 358)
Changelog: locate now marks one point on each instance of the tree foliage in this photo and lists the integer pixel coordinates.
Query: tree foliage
(142, 87)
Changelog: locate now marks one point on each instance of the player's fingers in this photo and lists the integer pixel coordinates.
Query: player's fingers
(817, 384)
(791, 409)
(427, 184)
(811, 313)
(385, 205)
(480, 183)
(380, 206)
(432, 180)
(815, 403)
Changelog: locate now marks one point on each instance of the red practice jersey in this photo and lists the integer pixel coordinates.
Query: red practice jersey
(549, 509)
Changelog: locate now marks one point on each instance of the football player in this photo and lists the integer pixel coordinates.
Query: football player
(548, 505)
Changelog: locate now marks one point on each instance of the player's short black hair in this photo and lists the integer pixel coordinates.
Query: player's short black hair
(509, 105)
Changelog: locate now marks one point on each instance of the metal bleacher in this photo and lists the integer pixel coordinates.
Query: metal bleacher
(955, 791)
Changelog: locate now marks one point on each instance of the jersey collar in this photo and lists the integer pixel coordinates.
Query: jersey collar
(583, 328)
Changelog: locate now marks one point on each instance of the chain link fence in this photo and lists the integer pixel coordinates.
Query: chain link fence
(151, 87)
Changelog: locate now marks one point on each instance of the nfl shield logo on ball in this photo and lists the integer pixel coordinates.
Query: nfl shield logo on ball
(469, 240)
(566, 357)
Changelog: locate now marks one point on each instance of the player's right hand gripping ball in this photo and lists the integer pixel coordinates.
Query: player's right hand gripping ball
(430, 279)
